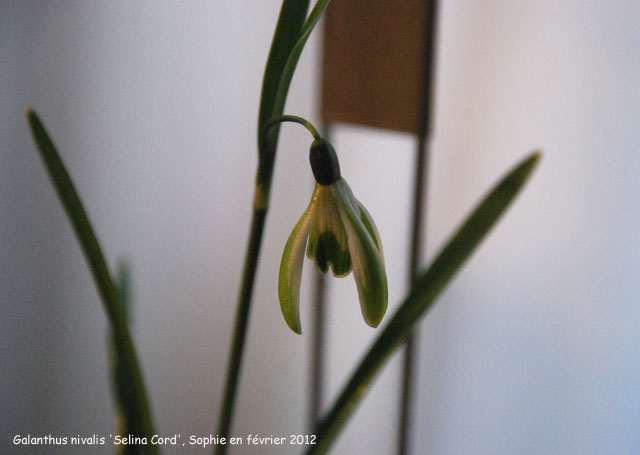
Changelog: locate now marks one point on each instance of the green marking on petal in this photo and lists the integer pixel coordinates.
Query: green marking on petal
(328, 246)
(291, 271)
(339, 258)
(368, 266)
(320, 257)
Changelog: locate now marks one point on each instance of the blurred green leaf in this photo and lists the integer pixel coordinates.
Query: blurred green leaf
(98, 266)
(420, 299)
(126, 415)
(123, 287)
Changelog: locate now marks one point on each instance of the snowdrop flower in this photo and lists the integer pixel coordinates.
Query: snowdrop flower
(338, 233)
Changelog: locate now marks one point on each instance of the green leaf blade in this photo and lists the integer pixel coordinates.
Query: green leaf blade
(106, 288)
(267, 143)
(292, 16)
(126, 415)
(294, 56)
(422, 296)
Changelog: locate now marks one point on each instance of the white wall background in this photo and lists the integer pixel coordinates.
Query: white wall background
(533, 349)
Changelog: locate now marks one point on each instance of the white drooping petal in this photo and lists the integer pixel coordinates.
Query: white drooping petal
(291, 271)
(368, 266)
(367, 220)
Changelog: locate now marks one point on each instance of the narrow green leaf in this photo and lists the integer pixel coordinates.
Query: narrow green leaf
(123, 288)
(267, 143)
(421, 298)
(126, 415)
(120, 389)
(106, 288)
(294, 56)
(290, 21)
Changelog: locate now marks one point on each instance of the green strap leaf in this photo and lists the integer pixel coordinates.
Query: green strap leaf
(267, 143)
(290, 21)
(126, 415)
(294, 56)
(420, 299)
(106, 288)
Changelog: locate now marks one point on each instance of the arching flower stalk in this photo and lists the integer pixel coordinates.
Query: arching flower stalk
(337, 233)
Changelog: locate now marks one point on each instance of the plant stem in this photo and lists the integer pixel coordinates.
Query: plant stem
(291, 118)
(260, 207)
(240, 327)
(290, 37)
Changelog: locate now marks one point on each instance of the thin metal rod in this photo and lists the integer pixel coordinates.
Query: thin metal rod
(410, 366)
(317, 350)
(318, 339)
(418, 231)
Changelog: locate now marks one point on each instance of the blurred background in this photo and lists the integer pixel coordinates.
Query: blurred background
(153, 105)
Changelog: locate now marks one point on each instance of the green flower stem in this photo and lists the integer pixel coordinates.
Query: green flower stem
(240, 328)
(291, 118)
(427, 288)
(267, 155)
(289, 40)
(113, 307)
(260, 208)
